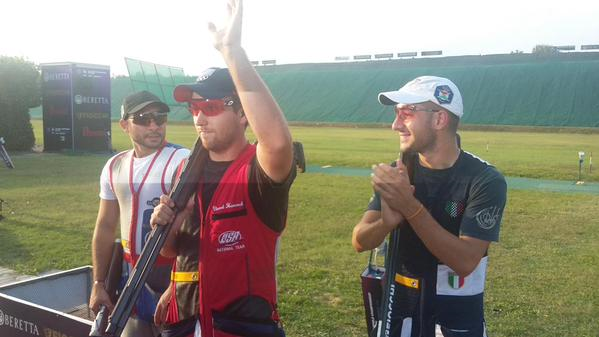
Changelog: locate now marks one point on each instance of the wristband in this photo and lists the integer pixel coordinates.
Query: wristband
(99, 282)
(418, 211)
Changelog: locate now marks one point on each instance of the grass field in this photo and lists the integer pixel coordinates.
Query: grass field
(542, 278)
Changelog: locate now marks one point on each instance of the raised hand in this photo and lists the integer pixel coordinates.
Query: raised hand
(229, 36)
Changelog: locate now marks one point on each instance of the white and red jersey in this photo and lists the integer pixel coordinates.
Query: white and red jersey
(137, 184)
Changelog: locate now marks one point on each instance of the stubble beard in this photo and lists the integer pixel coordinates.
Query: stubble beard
(216, 144)
(424, 143)
(150, 144)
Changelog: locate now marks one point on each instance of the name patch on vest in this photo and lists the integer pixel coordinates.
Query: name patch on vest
(228, 210)
(229, 206)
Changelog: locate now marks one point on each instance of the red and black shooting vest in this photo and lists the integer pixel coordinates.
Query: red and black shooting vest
(237, 253)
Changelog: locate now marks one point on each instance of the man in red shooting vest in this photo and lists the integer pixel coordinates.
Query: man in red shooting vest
(240, 206)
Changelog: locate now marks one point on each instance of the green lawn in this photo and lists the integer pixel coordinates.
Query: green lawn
(542, 278)
(518, 154)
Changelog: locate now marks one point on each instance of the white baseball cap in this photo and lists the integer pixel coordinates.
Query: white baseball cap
(438, 90)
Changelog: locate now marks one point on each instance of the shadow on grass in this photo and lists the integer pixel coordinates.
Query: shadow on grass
(12, 251)
(53, 227)
(39, 169)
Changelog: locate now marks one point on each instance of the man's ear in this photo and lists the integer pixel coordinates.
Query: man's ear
(243, 118)
(124, 125)
(441, 120)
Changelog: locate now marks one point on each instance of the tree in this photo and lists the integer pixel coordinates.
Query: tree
(19, 91)
(545, 50)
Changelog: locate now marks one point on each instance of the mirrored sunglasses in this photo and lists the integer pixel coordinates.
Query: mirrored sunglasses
(144, 119)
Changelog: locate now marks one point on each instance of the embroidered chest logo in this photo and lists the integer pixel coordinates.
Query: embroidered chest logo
(454, 208)
(488, 217)
(230, 240)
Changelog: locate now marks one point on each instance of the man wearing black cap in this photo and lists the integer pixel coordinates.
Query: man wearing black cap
(446, 203)
(130, 186)
(241, 203)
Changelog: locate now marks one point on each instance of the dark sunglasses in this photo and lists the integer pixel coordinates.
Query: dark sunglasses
(144, 119)
(209, 107)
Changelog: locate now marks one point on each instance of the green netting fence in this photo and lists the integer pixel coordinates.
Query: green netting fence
(497, 89)
(519, 89)
(159, 79)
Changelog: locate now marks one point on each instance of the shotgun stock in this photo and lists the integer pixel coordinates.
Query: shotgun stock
(112, 284)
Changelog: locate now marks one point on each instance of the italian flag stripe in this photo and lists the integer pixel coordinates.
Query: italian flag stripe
(456, 281)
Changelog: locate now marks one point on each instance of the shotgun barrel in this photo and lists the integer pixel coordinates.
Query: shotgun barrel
(391, 263)
(182, 190)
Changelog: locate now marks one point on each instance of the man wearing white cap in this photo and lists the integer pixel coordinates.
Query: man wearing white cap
(447, 215)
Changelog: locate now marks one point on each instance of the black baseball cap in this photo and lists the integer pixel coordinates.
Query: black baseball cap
(140, 100)
(213, 83)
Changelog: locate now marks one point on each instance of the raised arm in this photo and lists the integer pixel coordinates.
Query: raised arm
(265, 118)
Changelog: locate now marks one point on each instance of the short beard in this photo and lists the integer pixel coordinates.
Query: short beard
(430, 144)
(218, 145)
(149, 145)
(421, 145)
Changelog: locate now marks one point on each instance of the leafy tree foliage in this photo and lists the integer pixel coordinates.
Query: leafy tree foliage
(19, 91)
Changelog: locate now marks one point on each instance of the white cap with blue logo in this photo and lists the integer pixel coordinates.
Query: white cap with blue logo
(438, 90)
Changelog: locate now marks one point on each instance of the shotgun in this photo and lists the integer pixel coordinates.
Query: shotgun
(182, 190)
(112, 283)
(391, 263)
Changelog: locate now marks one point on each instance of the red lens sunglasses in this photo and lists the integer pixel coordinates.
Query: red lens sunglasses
(209, 107)
(407, 111)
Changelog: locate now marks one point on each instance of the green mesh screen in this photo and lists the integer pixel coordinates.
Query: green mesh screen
(160, 80)
(519, 89)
